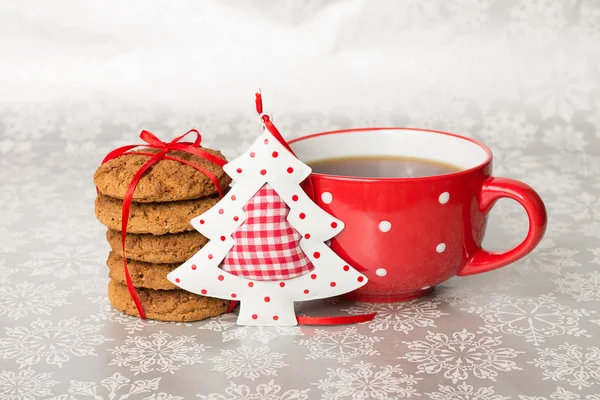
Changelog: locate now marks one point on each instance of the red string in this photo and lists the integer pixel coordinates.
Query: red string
(306, 320)
(336, 320)
(153, 142)
(269, 124)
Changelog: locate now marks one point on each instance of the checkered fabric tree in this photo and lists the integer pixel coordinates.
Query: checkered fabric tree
(267, 241)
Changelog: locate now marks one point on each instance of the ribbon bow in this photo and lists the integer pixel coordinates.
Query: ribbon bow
(154, 142)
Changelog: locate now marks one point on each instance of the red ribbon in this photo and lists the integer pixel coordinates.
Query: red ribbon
(153, 142)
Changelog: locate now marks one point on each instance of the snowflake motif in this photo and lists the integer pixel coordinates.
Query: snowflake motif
(455, 297)
(264, 391)
(591, 229)
(581, 163)
(584, 206)
(130, 324)
(564, 137)
(118, 386)
(561, 394)
(32, 122)
(6, 271)
(363, 381)
(65, 261)
(548, 257)
(594, 118)
(596, 253)
(401, 317)
(97, 284)
(589, 21)
(534, 318)
(53, 344)
(549, 181)
(339, 345)
(456, 120)
(560, 89)
(465, 392)
(541, 16)
(583, 287)
(503, 129)
(25, 385)
(160, 352)
(18, 239)
(29, 194)
(28, 298)
(75, 230)
(515, 162)
(81, 125)
(502, 285)
(227, 325)
(86, 156)
(462, 354)
(251, 362)
(571, 363)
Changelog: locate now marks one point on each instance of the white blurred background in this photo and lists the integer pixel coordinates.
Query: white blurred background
(348, 55)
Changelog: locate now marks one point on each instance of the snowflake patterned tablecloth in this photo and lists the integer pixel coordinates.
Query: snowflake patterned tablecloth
(525, 332)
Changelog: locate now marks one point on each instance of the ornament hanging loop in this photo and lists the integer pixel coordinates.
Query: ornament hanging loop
(264, 117)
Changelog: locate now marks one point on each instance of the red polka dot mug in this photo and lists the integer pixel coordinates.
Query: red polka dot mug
(409, 234)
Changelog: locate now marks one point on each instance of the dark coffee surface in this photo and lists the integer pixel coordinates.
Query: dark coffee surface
(381, 167)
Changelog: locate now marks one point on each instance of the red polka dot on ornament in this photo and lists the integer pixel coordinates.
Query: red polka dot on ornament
(305, 291)
(302, 215)
(267, 299)
(201, 222)
(252, 154)
(313, 276)
(275, 317)
(221, 211)
(332, 284)
(220, 277)
(194, 266)
(334, 225)
(307, 236)
(203, 291)
(222, 238)
(290, 170)
(236, 218)
(254, 316)
(294, 198)
(360, 279)
(316, 254)
(266, 141)
(210, 256)
(233, 197)
(275, 154)
(233, 295)
(346, 268)
(250, 284)
(239, 170)
(281, 284)
(263, 171)
(177, 280)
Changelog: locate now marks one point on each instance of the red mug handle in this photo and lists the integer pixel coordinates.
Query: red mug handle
(492, 190)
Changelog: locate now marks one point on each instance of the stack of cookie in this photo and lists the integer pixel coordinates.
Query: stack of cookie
(159, 234)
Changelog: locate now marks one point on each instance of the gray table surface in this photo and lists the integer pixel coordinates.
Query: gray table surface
(526, 331)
